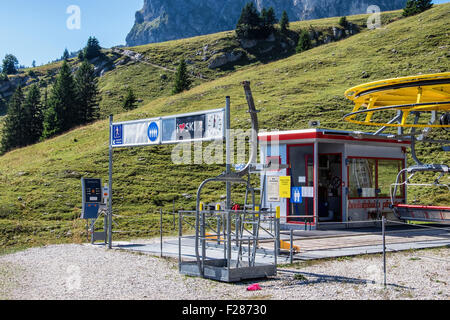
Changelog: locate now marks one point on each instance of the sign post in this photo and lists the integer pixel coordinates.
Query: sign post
(200, 126)
(110, 212)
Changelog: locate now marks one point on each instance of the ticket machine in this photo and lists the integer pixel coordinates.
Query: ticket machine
(92, 198)
(94, 204)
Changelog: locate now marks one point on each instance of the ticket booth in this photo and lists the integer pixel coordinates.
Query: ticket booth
(338, 178)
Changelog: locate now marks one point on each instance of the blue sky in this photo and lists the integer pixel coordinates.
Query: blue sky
(37, 29)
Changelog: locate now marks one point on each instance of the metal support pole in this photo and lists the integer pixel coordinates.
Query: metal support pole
(291, 252)
(161, 229)
(228, 240)
(105, 226)
(228, 171)
(173, 212)
(228, 148)
(276, 244)
(384, 248)
(110, 211)
(180, 234)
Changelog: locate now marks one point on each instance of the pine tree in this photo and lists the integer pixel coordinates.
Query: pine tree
(284, 22)
(92, 49)
(66, 55)
(13, 131)
(61, 114)
(343, 22)
(250, 23)
(304, 42)
(33, 116)
(130, 100)
(182, 80)
(414, 7)
(10, 64)
(86, 90)
(268, 20)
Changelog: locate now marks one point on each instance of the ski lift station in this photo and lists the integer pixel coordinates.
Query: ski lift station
(311, 179)
(335, 176)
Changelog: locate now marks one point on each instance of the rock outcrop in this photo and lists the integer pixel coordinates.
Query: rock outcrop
(163, 20)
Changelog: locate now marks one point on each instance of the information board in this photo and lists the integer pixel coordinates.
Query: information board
(199, 126)
(273, 189)
(285, 187)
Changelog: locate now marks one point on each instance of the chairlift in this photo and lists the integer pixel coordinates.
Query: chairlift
(415, 100)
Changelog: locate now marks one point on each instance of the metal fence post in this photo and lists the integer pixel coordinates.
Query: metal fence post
(291, 253)
(173, 212)
(161, 229)
(383, 224)
(180, 234)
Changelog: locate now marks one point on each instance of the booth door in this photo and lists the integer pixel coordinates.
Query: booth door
(301, 159)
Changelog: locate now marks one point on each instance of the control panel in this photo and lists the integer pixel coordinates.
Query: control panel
(92, 198)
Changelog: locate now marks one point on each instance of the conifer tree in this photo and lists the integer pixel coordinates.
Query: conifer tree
(13, 131)
(182, 80)
(92, 49)
(304, 42)
(33, 116)
(10, 64)
(130, 100)
(284, 22)
(414, 7)
(61, 114)
(250, 23)
(86, 90)
(66, 55)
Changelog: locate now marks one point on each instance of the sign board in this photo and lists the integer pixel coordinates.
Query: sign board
(273, 189)
(308, 192)
(285, 187)
(296, 195)
(136, 133)
(199, 126)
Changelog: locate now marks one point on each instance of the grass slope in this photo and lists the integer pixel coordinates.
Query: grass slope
(40, 185)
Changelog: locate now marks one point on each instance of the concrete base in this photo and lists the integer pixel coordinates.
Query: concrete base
(217, 270)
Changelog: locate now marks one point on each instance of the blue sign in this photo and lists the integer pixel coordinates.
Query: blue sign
(117, 135)
(296, 195)
(153, 131)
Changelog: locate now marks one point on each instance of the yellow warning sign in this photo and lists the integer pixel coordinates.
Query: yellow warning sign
(285, 187)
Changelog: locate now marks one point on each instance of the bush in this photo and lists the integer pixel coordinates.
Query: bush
(343, 22)
(304, 42)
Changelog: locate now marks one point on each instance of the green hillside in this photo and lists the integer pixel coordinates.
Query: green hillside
(40, 185)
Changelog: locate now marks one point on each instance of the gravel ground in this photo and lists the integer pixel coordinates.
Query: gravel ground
(84, 272)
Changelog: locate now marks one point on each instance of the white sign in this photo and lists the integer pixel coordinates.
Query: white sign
(198, 126)
(273, 189)
(136, 133)
(308, 192)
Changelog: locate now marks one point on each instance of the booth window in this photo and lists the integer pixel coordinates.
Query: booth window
(370, 178)
(387, 172)
(362, 174)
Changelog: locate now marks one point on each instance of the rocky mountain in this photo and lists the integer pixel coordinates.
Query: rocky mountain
(163, 20)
